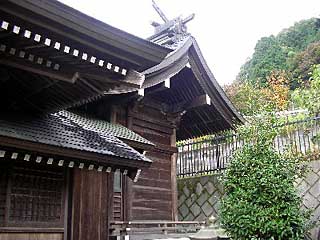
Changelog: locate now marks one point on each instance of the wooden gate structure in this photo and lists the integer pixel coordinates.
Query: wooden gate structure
(87, 110)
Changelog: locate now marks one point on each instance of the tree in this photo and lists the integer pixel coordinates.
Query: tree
(278, 90)
(250, 99)
(268, 56)
(261, 201)
(302, 64)
(300, 35)
(308, 96)
(247, 98)
(291, 51)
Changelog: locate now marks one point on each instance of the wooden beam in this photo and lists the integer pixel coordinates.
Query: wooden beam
(134, 77)
(165, 85)
(29, 67)
(201, 100)
(103, 77)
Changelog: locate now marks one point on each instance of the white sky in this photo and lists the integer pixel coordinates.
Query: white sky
(226, 30)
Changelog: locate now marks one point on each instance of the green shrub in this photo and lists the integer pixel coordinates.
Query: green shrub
(261, 201)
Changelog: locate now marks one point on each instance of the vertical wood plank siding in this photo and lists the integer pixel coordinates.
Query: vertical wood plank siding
(151, 197)
(92, 205)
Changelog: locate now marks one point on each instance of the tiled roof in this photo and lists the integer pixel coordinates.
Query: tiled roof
(63, 131)
(98, 125)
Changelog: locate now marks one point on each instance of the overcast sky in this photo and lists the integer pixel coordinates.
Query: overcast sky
(226, 30)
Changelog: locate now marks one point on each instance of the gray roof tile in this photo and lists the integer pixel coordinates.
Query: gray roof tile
(116, 130)
(68, 130)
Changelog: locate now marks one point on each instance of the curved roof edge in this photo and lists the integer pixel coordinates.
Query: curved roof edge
(188, 51)
(210, 84)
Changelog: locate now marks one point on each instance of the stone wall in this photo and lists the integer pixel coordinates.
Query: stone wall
(198, 197)
(309, 189)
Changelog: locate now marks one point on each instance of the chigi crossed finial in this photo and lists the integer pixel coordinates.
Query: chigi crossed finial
(171, 30)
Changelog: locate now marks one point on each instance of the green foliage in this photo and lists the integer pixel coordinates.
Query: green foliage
(261, 201)
(251, 99)
(309, 96)
(248, 98)
(268, 56)
(290, 50)
(300, 35)
(302, 64)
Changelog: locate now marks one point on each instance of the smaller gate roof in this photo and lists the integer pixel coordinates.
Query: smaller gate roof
(67, 130)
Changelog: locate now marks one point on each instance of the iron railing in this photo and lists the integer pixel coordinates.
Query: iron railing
(212, 154)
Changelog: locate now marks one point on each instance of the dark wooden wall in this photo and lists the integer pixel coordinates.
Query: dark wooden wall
(32, 197)
(151, 198)
(91, 204)
(31, 236)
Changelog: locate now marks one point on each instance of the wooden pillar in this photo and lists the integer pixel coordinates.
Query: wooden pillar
(174, 179)
(127, 188)
(91, 205)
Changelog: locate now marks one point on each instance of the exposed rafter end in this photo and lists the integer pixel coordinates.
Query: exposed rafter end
(199, 101)
(134, 78)
(141, 92)
(137, 176)
(2, 153)
(208, 100)
(167, 83)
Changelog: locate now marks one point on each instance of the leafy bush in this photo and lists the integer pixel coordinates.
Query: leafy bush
(261, 201)
(309, 96)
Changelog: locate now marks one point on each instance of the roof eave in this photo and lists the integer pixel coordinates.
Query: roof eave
(88, 27)
(101, 159)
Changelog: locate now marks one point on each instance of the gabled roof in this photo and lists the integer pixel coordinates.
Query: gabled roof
(190, 79)
(69, 131)
(68, 59)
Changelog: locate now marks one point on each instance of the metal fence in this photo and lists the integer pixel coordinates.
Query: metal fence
(211, 154)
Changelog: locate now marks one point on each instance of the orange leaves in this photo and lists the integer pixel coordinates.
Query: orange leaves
(278, 89)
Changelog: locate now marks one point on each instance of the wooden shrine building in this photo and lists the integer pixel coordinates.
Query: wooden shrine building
(89, 120)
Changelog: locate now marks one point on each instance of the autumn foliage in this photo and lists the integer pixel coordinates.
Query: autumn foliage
(249, 98)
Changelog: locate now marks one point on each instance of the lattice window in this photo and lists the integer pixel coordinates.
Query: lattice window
(33, 195)
(118, 206)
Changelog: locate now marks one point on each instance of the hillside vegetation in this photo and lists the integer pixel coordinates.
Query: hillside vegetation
(279, 70)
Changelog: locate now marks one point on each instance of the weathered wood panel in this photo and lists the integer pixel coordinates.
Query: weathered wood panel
(92, 205)
(31, 236)
(152, 194)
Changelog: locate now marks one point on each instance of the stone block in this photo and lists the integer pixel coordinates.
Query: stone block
(302, 187)
(186, 191)
(210, 187)
(195, 209)
(315, 165)
(199, 189)
(204, 180)
(202, 198)
(315, 189)
(311, 178)
(182, 199)
(207, 209)
(310, 201)
(183, 210)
